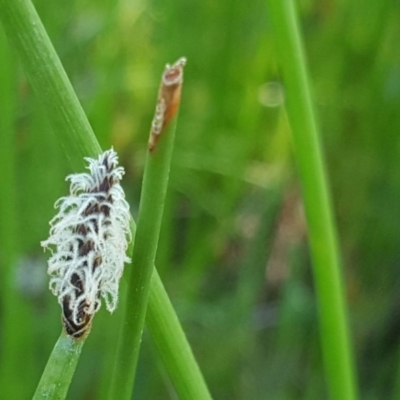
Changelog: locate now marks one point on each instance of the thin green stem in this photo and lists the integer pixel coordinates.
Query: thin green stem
(172, 345)
(154, 188)
(321, 228)
(59, 369)
(54, 91)
(49, 81)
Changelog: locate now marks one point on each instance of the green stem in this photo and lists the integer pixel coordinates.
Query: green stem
(59, 369)
(154, 188)
(172, 345)
(321, 229)
(49, 81)
(53, 90)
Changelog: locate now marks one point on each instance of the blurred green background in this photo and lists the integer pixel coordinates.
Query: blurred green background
(233, 251)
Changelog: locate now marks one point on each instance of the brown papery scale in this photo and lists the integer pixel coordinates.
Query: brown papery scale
(169, 97)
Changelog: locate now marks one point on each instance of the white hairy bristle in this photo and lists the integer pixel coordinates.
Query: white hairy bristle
(88, 241)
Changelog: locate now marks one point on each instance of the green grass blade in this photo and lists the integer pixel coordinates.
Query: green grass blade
(152, 199)
(321, 229)
(172, 345)
(49, 81)
(54, 91)
(60, 369)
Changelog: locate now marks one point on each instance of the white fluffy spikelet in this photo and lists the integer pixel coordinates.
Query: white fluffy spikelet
(88, 242)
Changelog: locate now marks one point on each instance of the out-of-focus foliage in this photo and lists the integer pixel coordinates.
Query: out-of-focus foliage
(233, 252)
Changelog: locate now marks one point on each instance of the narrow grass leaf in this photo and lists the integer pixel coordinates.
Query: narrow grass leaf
(50, 83)
(334, 328)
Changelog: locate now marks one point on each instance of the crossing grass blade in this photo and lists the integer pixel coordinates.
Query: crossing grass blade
(54, 92)
(334, 329)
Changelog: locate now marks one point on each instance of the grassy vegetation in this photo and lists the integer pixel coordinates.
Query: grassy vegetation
(233, 252)
(334, 331)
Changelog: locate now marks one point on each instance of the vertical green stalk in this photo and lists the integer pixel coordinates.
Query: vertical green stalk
(321, 229)
(59, 369)
(48, 79)
(172, 345)
(154, 188)
(8, 217)
(54, 92)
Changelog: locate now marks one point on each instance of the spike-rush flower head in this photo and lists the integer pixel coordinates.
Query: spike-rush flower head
(88, 242)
